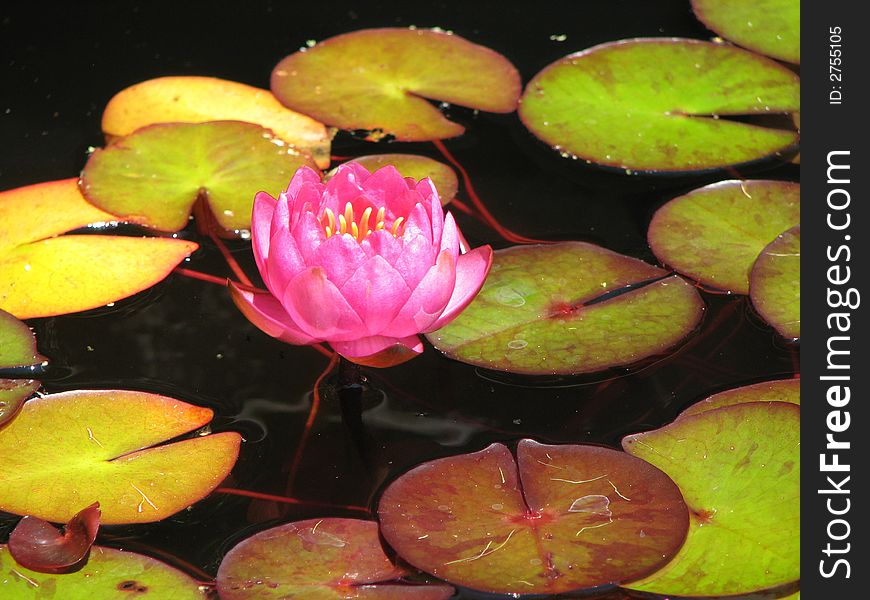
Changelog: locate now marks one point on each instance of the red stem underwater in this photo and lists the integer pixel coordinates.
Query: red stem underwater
(289, 500)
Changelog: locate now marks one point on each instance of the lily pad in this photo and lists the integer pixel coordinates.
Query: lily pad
(64, 451)
(17, 343)
(780, 390)
(39, 546)
(558, 518)
(570, 308)
(13, 393)
(379, 80)
(318, 559)
(775, 284)
(202, 99)
(416, 167)
(153, 176)
(42, 275)
(109, 573)
(655, 105)
(771, 27)
(715, 233)
(738, 468)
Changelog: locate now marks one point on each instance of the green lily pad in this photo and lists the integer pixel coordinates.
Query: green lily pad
(775, 284)
(13, 393)
(780, 390)
(558, 518)
(42, 275)
(378, 80)
(154, 176)
(715, 233)
(64, 451)
(771, 27)
(738, 468)
(17, 343)
(318, 559)
(109, 573)
(417, 167)
(558, 309)
(654, 105)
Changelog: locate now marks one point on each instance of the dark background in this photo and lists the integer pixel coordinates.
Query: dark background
(60, 65)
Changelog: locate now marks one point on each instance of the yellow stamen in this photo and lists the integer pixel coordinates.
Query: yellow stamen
(331, 219)
(379, 226)
(343, 224)
(348, 213)
(354, 231)
(396, 225)
(328, 231)
(364, 222)
(379, 219)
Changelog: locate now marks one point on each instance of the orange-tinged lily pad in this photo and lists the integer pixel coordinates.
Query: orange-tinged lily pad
(17, 343)
(109, 573)
(64, 451)
(738, 468)
(775, 283)
(416, 167)
(780, 390)
(379, 80)
(318, 559)
(558, 518)
(715, 233)
(201, 99)
(13, 393)
(42, 275)
(154, 176)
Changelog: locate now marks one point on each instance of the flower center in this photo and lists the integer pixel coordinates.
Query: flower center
(358, 228)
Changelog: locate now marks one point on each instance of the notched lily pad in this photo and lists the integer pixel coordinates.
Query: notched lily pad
(13, 393)
(558, 518)
(42, 275)
(154, 176)
(775, 284)
(66, 450)
(109, 573)
(17, 344)
(320, 559)
(715, 233)
(38, 545)
(738, 468)
(379, 80)
(202, 99)
(780, 390)
(417, 167)
(570, 308)
(655, 105)
(771, 27)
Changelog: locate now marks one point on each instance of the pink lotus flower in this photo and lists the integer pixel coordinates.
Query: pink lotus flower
(365, 262)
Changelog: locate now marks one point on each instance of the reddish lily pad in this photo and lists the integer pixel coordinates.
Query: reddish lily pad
(37, 545)
(202, 99)
(154, 176)
(654, 105)
(775, 284)
(42, 275)
(318, 559)
(17, 343)
(557, 309)
(13, 393)
(738, 468)
(66, 450)
(379, 79)
(109, 573)
(771, 27)
(780, 390)
(559, 518)
(416, 167)
(715, 233)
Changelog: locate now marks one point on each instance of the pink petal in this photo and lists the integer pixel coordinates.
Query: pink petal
(417, 257)
(318, 308)
(261, 226)
(384, 244)
(345, 186)
(340, 256)
(372, 345)
(417, 222)
(385, 185)
(302, 176)
(432, 203)
(309, 234)
(284, 263)
(281, 214)
(264, 311)
(376, 291)
(427, 301)
(450, 239)
(471, 272)
(308, 198)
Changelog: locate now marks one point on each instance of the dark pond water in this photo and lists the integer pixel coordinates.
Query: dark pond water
(184, 338)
